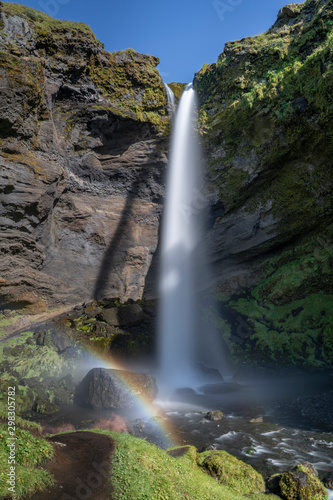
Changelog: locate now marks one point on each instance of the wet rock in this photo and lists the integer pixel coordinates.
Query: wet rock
(208, 447)
(103, 388)
(301, 483)
(210, 374)
(62, 396)
(214, 415)
(256, 420)
(103, 329)
(328, 481)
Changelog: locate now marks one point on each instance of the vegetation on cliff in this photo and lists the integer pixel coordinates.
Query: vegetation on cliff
(127, 79)
(177, 88)
(267, 122)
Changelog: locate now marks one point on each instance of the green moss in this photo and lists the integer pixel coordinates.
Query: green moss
(231, 472)
(21, 358)
(45, 407)
(297, 333)
(177, 88)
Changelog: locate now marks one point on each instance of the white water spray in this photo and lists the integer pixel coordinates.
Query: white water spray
(171, 99)
(183, 259)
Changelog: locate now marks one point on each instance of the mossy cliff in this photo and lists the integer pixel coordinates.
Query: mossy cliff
(34, 40)
(266, 121)
(83, 155)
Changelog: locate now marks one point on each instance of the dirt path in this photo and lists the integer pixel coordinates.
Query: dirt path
(80, 467)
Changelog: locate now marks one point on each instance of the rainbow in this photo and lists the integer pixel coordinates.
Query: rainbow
(145, 407)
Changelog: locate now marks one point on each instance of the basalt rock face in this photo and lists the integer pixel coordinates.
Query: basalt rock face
(266, 121)
(82, 161)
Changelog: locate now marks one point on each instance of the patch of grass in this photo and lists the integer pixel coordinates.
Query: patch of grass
(20, 422)
(30, 453)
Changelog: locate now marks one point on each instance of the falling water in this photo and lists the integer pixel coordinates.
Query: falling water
(171, 99)
(183, 259)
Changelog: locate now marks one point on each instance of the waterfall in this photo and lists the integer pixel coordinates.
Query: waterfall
(183, 260)
(171, 99)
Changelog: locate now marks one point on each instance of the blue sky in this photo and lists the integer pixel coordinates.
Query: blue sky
(183, 34)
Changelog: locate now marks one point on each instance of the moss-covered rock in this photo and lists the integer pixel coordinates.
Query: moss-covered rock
(214, 415)
(230, 471)
(129, 79)
(177, 88)
(299, 484)
(44, 407)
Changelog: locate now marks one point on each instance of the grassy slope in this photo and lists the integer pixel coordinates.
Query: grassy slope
(144, 471)
(31, 453)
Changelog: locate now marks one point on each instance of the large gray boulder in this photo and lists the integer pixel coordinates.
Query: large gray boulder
(104, 388)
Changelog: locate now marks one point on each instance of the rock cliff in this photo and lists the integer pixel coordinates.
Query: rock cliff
(82, 160)
(267, 128)
(83, 142)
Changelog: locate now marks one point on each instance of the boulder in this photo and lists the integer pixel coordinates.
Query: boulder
(214, 415)
(106, 388)
(230, 471)
(301, 483)
(51, 338)
(126, 315)
(291, 10)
